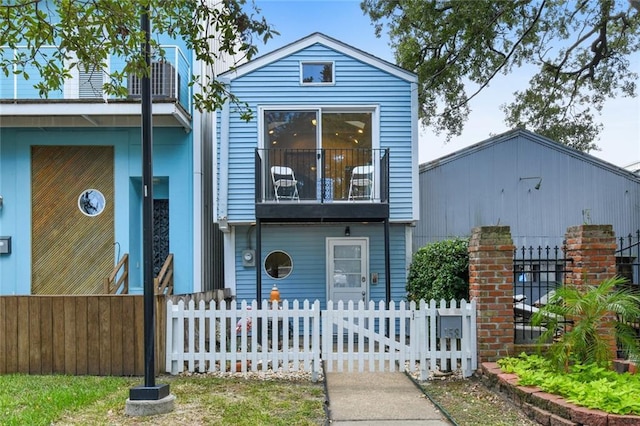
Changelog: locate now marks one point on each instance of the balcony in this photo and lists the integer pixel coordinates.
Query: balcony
(82, 102)
(322, 184)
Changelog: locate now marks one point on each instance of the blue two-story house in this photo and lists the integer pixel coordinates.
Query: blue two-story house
(71, 180)
(317, 192)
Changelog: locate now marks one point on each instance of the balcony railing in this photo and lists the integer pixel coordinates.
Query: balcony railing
(169, 79)
(322, 175)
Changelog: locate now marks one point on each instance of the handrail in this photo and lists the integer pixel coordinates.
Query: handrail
(323, 175)
(163, 283)
(111, 285)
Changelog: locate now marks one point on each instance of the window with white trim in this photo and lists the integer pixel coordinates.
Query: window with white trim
(316, 72)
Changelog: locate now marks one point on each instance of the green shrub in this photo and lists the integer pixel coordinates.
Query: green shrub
(440, 270)
(590, 308)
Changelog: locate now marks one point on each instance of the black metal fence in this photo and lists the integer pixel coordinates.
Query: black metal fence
(322, 175)
(537, 274)
(628, 258)
(628, 267)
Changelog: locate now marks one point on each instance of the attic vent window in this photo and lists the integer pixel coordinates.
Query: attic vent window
(314, 73)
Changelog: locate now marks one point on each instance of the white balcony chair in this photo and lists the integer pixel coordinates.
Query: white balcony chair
(285, 184)
(361, 185)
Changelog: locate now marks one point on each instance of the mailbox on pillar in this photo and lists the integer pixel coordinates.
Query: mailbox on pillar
(449, 326)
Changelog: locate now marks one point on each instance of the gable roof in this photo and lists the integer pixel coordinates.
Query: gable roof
(533, 137)
(319, 38)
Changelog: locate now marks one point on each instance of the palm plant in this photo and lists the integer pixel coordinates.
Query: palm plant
(590, 308)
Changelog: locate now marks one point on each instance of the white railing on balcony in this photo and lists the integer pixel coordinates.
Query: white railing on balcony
(170, 79)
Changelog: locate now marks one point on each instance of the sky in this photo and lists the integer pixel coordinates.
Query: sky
(345, 21)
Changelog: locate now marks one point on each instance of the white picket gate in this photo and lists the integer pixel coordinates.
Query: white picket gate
(295, 337)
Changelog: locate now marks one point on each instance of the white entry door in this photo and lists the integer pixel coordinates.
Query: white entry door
(348, 269)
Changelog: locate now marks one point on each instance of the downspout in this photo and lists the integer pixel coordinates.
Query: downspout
(223, 189)
(415, 155)
(197, 135)
(387, 263)
(258, 261)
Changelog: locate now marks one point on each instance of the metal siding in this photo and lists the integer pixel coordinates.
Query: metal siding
(307, 246)
(484, 188)
(356, 83)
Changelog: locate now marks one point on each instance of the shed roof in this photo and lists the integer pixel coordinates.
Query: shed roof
(533, 137)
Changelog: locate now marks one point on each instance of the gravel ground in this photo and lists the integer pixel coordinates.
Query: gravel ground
(469, 403)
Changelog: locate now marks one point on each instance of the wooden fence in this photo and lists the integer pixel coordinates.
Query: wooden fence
(77, 335)
(299, 336)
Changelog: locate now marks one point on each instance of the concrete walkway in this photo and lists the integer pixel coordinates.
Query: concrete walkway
(379, 399)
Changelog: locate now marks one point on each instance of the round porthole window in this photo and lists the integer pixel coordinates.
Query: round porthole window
(91, 202)
(278, 264)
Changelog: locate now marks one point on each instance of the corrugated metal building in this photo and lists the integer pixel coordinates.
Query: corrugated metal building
(536, 186)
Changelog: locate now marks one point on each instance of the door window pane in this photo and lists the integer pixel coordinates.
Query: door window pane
(291, 139)
(347, 252)
(347, 140)
(347, 266)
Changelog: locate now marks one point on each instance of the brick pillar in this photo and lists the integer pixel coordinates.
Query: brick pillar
(593, 251)
(491, 284)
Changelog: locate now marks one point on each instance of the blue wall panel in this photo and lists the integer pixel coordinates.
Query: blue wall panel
(172, 160)
(307, 246)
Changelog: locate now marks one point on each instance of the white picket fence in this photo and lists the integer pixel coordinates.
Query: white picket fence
(299, 336)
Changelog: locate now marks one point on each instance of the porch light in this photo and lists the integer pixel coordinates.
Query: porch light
(534, 177)
(347, 232)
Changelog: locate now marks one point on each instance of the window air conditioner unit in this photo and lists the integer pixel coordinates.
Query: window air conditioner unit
(163, 82)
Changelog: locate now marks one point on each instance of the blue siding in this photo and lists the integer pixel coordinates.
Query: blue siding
(173, 164)
(356, 83)
(172, 160)
(307, 246)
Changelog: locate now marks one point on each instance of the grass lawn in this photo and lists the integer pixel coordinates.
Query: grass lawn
(200, 399)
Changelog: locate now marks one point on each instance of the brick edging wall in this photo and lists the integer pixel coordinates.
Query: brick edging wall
(546, 408)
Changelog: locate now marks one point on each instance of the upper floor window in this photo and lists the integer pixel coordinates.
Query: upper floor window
(317, 72)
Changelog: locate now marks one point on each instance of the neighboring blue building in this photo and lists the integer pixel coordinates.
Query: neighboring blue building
(318, 192)
(70, 181)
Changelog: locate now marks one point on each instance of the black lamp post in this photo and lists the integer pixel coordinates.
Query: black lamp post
(150, 391)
